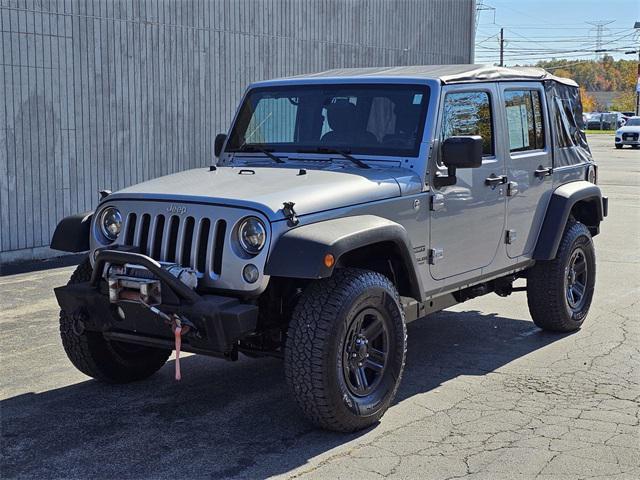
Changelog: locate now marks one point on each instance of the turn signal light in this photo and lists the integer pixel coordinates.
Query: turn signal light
(329, 260)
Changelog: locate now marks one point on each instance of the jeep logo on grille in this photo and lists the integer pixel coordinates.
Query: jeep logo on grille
(177, 209)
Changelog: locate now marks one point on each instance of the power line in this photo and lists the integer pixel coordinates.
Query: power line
(480, 7)
(554, 26)
(612, 44)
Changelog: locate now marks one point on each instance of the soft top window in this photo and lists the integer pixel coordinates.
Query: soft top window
(358, 119)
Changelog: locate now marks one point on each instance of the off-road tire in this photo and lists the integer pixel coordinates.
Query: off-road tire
(547, 283)
(102, 359)
(319, 336)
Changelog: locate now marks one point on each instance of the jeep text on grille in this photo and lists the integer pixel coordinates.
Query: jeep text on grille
(176, 209)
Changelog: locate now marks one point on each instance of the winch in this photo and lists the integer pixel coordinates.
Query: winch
(135, 283)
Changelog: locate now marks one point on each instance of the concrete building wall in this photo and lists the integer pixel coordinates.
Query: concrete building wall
(106, 93)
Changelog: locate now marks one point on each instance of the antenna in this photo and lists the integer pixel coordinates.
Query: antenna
(599, 28)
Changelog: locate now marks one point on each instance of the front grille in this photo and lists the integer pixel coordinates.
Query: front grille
(630, 136)
(188, 241)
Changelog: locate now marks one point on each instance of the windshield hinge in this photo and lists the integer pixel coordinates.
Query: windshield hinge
(290, 213)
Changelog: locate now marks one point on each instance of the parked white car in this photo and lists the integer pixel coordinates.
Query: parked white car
(629, 134)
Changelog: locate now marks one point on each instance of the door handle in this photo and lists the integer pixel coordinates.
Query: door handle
(542, 172)
(495, 180)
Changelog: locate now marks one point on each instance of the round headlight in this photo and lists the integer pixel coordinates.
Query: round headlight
(252, 235)
(110, 223)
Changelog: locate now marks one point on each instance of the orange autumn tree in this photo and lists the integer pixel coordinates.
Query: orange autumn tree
(588, 101)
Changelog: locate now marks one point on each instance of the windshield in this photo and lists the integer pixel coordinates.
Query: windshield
(633, 122)
(355, 119)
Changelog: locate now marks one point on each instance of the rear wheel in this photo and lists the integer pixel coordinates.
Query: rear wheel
(102, 359)
(559, 291)
(345, 349)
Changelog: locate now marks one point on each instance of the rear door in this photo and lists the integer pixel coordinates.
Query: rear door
(528, 162)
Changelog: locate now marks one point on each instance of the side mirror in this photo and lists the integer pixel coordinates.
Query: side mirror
(219, 143)
(462, 152)
(459, 152)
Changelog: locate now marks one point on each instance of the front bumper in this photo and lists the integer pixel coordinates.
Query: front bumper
(219, 321)
(629, 140)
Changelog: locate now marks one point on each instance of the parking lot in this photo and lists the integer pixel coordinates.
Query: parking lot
(485, 393)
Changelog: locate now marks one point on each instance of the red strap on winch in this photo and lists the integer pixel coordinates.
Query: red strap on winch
(177, 335)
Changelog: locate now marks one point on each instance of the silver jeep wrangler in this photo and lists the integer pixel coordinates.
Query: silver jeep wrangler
(342, 206)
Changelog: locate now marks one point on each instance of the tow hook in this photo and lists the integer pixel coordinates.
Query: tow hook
(179, 326)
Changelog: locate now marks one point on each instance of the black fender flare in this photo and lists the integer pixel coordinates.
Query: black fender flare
(563, 200)
(73, 233)
(300, 252)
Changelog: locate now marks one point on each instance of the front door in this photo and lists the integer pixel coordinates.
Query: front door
(528, 165)
(468, 218)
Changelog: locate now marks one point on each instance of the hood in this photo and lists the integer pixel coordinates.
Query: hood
(629, 129)
(267, 188)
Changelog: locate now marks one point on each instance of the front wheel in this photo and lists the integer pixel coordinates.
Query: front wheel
(345, 349)
(618, 146)
(559, 291)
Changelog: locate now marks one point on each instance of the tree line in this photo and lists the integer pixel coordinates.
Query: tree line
(606, 75)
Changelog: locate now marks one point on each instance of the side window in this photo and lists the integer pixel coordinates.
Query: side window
(524, 120)
(469, 113)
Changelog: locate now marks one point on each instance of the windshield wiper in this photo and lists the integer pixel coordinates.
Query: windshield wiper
(344, 153)
(253, 147)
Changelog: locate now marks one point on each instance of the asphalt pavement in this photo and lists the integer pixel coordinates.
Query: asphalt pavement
(485, 393)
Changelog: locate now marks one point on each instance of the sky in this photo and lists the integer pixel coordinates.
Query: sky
(536, 30)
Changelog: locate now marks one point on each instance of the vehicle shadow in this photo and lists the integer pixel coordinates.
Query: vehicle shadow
(225, 420)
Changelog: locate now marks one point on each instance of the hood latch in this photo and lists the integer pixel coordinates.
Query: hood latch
(290, 213)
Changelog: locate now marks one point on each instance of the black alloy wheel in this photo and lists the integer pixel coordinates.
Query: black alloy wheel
(364, 355)
(576, 280)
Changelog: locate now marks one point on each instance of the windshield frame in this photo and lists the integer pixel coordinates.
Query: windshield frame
(377, 151)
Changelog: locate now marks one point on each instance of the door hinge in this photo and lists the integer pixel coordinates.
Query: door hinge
(510, 237)
(512, 189)
(435, 255)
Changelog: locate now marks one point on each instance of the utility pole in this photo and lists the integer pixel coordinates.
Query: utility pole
(502, 47)
(599, 26)
(637, 27)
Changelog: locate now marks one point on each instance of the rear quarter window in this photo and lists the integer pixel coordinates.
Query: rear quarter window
(524, 120)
